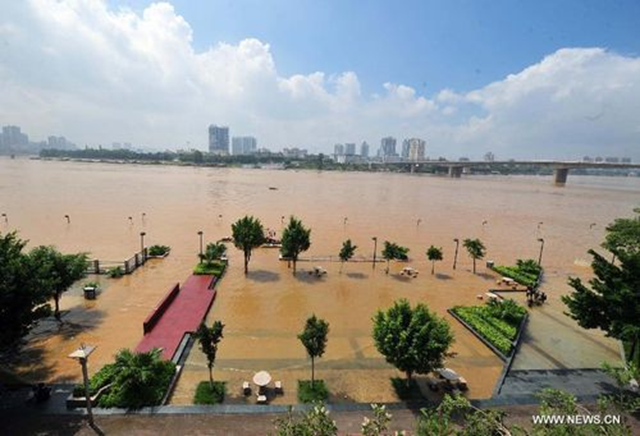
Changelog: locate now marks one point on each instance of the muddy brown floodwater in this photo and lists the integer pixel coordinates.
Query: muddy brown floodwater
(264, 311)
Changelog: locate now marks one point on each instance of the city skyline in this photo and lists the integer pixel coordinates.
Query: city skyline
(158, 76)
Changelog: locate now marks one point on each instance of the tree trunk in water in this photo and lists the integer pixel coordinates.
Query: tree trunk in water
(474, 265)
(211, 377)
(433, 267)
(387, 270)
(246, 263)
(295, 260)
(56, 313)
(313, 372)
(341, 266)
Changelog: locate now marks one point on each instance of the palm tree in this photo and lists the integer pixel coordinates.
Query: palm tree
(347, 252)
(209, 338)
(296, 238)
(248, 234)
(476, 250)
(434, 254)
(213, 252)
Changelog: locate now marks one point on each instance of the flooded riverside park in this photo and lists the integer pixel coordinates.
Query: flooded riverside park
(265, 310)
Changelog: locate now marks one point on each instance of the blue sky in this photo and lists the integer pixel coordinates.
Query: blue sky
(429, 45)
(534, 79)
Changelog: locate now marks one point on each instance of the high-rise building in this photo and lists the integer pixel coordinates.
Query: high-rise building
(405, 149)
(388, 147)
(11, 135)
(218, 139)
(243, 145)
(415, 148)
(364, 149)
(338, 149)
(350, 149)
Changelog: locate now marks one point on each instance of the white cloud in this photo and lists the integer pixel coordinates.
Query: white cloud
(97, 74)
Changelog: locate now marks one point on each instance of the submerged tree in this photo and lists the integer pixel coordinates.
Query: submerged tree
(414, 340)
(56, 272)
(209, 338)
(476, 250)
(248, 234)
(296, 238)
(392, 251)
(314, 339)
(346, 252)
(434, 254)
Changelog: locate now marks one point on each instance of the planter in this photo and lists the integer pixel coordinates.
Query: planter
(90, 292)
(159, 256)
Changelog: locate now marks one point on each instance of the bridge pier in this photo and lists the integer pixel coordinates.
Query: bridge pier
(560, 175)
(455, 172)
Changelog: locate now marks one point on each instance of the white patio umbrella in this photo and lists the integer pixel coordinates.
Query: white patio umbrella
(262, 378)
(448, 374)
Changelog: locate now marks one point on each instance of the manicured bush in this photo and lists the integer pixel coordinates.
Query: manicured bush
(206, 394)
(158, 250)
(311, 394)
(213, 268)
(497, 322)
(522, 277)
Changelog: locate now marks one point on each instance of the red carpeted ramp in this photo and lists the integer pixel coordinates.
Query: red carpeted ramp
(181, 311)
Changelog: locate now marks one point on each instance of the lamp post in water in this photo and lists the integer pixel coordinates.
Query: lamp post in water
(68, 218)
(455, 256)
(82, 355)
(375, 249)
(200, 233)
(541, 241)
(142, 235)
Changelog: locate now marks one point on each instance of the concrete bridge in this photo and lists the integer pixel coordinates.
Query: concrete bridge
(560, 168)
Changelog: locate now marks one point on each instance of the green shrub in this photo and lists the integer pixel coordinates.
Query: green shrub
(213, 268)
(497, 322)
(115, 272)
(97, 381)
(91, 285)
(311, 394)
(516, 274)
(205, 394)
(158, 250)
(138, 380)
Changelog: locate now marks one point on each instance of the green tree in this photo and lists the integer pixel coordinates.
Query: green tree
(209, 338)
(56, 272)
(623, 235)
(314, 339)
(138, 380)
(214, 251)
(21, 300)
(346, 252)
(476, 250)
(296, 238)
(434, 254)
(414, 340)
(392, 251)
(248, 234)
(611, 302)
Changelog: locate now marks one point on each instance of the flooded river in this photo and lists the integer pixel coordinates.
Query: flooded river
(264, 311)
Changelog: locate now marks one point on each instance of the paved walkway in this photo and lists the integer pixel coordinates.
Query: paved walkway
(184, 315)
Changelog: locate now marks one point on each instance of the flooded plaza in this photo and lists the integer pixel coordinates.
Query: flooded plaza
(264, 311)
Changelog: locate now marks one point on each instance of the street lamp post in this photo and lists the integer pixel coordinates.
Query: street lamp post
(375, 249)
(68, 218)
(200, 233)
(455, 256)
(6, 219)
(541, 241)
(142, 235)
(82, 356)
